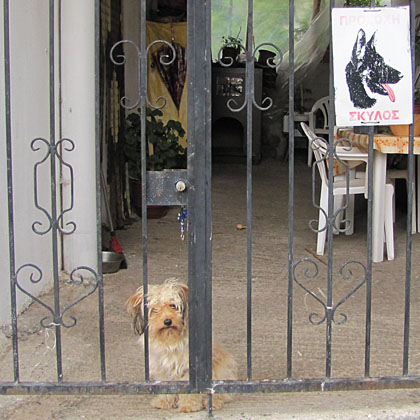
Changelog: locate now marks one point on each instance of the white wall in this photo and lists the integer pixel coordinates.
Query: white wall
(30, 119)
(78, 124)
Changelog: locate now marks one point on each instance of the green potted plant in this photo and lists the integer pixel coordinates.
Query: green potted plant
(230, 47)
(163, 151)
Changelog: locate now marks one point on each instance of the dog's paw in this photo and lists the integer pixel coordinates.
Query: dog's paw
(165, 402)
(190, 403)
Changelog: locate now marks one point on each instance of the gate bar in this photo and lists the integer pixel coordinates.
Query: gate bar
(199, 194)
(53, 189)
(242, 387)
(8, 129)
(98, 190)
(249, 94)
(144, 231)
(409, 240)
(291, 184)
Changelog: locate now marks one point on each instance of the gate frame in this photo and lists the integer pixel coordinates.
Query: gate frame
(200, 234)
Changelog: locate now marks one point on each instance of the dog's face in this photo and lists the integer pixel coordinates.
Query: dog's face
(167, 310)
(368, 74)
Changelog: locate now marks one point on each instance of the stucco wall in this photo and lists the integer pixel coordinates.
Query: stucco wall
(30, 119)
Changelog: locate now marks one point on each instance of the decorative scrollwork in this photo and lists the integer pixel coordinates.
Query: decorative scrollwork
(119, 59)
(35, 277)
(337, 218)
(49, 151)
(311, 272)
(267, 102)
(270, 60)
(80, 280)
(71, 226)
(56, 319)
(228, 61)
(270, 63)
(53, 150)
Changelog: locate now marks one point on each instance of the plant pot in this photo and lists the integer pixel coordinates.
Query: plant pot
(229, 53)
(153, 212)
(403, 130)
(264, 56)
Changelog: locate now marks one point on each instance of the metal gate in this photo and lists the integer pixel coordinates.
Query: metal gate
(198, 199)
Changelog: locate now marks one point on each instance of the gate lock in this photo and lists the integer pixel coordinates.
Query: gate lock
(180, 186)
(160, 187)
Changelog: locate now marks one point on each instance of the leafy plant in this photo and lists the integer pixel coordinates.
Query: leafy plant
(227, 40)
(162, 138)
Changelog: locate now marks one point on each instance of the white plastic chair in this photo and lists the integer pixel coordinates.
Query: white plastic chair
(319, 120)
(355, 186)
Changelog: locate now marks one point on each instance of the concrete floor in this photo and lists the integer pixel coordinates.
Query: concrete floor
(168, 258)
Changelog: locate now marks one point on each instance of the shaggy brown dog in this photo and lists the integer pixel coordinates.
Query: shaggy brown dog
(167, 306)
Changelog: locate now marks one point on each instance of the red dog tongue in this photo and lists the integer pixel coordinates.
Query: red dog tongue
(389, 91)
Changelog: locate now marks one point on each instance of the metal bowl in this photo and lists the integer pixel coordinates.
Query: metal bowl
(111, 262)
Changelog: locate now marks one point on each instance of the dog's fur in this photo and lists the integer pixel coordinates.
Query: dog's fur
(167, 309)
(367, 73)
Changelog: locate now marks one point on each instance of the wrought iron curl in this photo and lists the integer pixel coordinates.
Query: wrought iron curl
(310, 272)
(163, 61)
(270, 63)
(346, 145)
(50, 149)
(318, 143)
(71, 225)
(119, 59)
(314, 144)
(346, 274)
(228, 60)
(163, 57)
(35, 277)
(57, 319)
(232, 101)
(79, 280)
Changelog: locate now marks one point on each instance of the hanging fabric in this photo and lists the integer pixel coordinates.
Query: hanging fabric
(174, 74)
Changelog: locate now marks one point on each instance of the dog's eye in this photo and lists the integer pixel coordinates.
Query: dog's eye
(173, 306)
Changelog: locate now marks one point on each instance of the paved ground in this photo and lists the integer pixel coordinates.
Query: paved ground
(168, 258)
(372, 405)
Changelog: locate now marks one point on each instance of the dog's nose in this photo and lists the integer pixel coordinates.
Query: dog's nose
(168, 322)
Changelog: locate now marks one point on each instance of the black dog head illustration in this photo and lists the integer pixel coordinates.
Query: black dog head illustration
(367, 73)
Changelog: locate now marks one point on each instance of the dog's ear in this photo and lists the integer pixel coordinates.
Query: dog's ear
(359, 49)
(134, 307)
(371, 42)
(183, 294)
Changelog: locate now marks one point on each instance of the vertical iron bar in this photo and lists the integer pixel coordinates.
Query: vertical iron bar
(369, 260)
(199, 194)
(409, 240)
(98, 191)
(249, 94)
(12, 256)
(54, 233)
(368, 321)
(291, 185)
(331, 219)
(143, 94)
